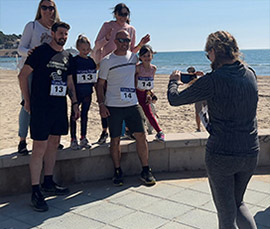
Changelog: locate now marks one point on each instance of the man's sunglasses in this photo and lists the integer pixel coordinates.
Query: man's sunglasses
(122, 40)
(123, 14)
(50, 8)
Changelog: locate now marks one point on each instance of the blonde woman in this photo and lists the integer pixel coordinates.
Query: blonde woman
(35, 33)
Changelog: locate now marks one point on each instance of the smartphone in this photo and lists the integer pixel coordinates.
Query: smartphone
(187, 77)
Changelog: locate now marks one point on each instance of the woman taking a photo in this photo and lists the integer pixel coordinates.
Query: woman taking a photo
(35, 33)
(232, 148)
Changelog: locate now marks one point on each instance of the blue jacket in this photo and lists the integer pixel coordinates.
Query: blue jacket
(232, 96)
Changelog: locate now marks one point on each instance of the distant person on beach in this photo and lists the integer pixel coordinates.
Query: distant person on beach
(120, 104)
(52, 72)
(35, 33)
(104, 44)
(198, 105)
(85, 79)
(145, 73)
(154, 111)
(232, 149)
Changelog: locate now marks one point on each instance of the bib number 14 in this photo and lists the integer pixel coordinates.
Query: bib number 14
(127, 94)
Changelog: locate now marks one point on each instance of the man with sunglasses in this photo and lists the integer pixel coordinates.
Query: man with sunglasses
(120, 104)
(52, 78)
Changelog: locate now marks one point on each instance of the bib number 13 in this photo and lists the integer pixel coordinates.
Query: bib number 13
(58, 88)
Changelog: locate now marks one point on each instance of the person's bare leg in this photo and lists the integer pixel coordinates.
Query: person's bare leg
(142, 148)
(115, 151)
(36, 160)
(50, 154)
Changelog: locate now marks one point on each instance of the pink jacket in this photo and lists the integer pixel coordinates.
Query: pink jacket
(104, 47)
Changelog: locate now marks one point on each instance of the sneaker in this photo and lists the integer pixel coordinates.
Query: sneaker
(103, 137)
(22, 150)
(54, 189)
(38, 203)
(160, 136)
(129, 135)
(118, 178)
(60, 147)
(147, 177)
(85, 144)
(74, 145)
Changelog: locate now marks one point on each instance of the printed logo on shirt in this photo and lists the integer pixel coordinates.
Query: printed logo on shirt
(45, 38)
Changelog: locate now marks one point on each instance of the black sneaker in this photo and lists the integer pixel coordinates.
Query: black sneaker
(60, 147)
(118, 178)
(129, 135)
(103, 137)
(38, 203)
(54, 189)
(147, 177)
(22, 150)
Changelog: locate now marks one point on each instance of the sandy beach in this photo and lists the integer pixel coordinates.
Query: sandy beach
(172, 119)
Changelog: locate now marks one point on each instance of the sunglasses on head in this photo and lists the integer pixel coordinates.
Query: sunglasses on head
(122, 14)
(122, 40)
(50, 8)
(207, 55)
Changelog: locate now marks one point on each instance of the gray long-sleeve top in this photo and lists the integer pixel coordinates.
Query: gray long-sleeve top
(232, 96)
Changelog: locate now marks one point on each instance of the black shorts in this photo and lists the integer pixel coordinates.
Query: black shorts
(45, 122)
(133, 117)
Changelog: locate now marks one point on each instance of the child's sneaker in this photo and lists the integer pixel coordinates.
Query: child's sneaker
(84, 143)
(74, 145)
(22, 150)
(129, 135)
(160, 136)
(102, 139)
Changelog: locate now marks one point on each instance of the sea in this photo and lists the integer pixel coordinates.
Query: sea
(167, 62)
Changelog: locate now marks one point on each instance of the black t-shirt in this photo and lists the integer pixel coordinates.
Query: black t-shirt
(50, 71)
(84, 75)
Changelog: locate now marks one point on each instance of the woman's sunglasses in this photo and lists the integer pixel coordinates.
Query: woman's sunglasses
(122, 14)
(50, 8)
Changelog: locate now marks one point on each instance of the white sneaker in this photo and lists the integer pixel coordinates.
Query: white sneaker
(85, 144)
(74, 145)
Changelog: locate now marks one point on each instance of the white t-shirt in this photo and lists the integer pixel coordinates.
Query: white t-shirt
(34, 34)
(119, 72)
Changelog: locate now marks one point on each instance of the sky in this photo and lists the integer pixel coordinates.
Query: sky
(174, 25)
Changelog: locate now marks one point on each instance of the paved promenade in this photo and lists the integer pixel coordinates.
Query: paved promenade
(178, 200)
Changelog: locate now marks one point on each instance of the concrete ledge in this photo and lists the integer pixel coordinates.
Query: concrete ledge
(179, 152)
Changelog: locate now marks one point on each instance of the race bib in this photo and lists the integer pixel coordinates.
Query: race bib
(145, 83)
(58, 88)
(86, 78)
(127, 94)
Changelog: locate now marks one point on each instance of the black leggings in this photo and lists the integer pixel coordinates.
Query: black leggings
(85, 103)
(228, 177)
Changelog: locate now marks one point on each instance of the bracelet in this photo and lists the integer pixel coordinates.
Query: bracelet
(139, 46)
(101, 104)
(75, 103)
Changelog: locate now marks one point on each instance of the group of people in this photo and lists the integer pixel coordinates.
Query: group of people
(48, 73)
(123, 88)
